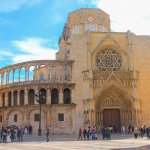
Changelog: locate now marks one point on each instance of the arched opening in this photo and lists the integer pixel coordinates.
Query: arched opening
(31, 73)
(42, 96)
(22, 74)
(5, 78)
(67, 96)
(9, 98)
(113, 108)
(3, 99)
(31, 96)
(16, 75)
(10, 76)
(21, 97)
(15, 95)
(54, 96)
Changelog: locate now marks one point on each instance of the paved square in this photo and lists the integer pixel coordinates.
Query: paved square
(67, 142)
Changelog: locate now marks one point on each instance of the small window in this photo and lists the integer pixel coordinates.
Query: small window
(15, 118)
(36, 117)
(61, 117)
(1, 119)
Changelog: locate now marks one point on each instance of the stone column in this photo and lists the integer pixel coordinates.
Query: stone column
(6, 99)
(136, 117)
(91, 118)
(7, 78)
(73, 95)
(19, 74)
(18, 97)
(1, 102)
(48, 72)
(13, 76)
(94, 116)
(25, 73)
(48, 96)
(35, 98)
(61, 96)
(26, 96)
(2, 79)
(12, 97)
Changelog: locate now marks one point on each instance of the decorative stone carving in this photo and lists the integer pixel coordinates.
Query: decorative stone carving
(108, 59)
(111, 102)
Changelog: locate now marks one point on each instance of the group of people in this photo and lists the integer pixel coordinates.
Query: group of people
(89, 133)
(138, 132)
(141, 132)
(14, 133)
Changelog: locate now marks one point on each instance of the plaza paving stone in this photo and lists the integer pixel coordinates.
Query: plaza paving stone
(68, 142)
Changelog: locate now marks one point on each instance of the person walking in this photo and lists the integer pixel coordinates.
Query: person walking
(84, 134)
(47, 135)
(80, 134)
(135, 132)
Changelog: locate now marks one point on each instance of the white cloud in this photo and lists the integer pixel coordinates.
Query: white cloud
(4, 54)
(13, 5)
(86, 2)
(126, 15)
(33, 49)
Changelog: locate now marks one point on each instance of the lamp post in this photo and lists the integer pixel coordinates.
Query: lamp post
(40, 98)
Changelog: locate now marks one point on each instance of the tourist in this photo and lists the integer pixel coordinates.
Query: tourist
(123, 130)
(47, 135)
(135, 132)
(80, 134)
(84, 133)
(148, 132)
(26, 131)
(88, 133)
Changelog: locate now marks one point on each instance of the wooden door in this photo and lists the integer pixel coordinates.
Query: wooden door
(111, 117)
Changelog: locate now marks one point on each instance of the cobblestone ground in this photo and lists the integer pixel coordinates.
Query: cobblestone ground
(67, 142)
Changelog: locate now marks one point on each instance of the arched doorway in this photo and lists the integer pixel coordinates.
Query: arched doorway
(113, 108)
(111, 117)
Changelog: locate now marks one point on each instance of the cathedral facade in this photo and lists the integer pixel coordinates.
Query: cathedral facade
(99, 78)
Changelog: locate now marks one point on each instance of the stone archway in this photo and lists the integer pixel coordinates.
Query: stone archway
(113, 107)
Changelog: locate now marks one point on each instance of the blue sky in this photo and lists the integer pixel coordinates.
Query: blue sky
(30, 29)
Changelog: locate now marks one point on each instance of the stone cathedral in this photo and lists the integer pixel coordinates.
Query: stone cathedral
(99, 78)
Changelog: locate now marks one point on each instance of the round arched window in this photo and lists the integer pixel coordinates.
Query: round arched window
(108, 59)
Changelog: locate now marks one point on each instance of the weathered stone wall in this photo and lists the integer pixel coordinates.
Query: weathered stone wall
(141, 56)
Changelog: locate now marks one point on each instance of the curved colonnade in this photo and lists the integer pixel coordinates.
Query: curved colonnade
(19, 84)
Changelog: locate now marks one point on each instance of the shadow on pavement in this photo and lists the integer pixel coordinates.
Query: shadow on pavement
(146, 147)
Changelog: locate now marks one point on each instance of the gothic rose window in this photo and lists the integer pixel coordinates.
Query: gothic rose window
(108, 59)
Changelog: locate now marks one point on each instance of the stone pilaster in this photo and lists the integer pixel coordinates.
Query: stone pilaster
(6, 99)
(61, 96)
(48, 96)
(26, 96)
(72, 95)
(18, 97)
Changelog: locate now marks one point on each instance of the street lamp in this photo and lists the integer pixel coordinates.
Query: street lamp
(41, 99)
